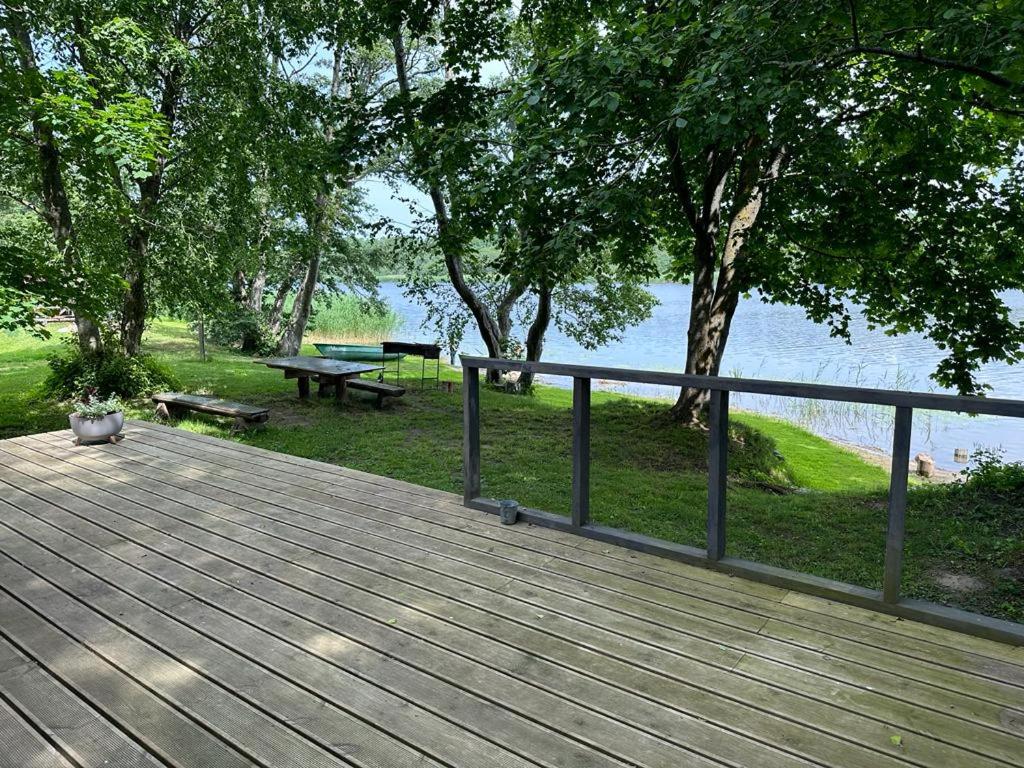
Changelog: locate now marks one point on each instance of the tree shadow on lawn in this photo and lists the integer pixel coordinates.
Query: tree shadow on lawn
(648, 475)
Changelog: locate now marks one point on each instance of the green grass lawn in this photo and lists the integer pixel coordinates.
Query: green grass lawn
(795, 500)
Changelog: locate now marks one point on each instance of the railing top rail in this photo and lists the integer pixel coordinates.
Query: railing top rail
(922, 400)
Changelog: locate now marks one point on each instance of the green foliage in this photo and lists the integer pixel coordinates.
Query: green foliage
(843, 165)
(93, 407)
(234, 325)
(348, 317)
(73, 371)
(596, 313)
(35, 278)
(976, 525)
(990, 474)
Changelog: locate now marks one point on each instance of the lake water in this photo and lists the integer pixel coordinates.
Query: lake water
(779, 342)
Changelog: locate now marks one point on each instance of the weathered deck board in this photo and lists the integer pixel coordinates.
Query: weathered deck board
(726, 618)
(330, 617)
(815, 613)
(946, 727)
(67, 720)
(22, 746)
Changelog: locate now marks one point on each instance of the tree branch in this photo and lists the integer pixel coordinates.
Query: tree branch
(853, 24)
(678, 180)
(919, 57)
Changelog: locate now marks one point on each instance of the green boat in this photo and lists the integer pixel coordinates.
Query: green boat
(367, 352)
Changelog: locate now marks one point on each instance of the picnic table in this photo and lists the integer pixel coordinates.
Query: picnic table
(324, 370)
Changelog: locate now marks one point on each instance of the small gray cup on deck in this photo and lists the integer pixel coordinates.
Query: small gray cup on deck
(509, 511)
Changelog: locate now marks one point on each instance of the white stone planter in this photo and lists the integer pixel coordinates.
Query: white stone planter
(89, 430)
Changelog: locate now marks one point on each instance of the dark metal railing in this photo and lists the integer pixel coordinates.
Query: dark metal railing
(714, 555)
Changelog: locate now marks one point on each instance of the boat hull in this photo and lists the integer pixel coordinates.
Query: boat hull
(355, 352)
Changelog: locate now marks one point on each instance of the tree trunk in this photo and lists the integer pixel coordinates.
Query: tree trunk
(254, 291)
(89, 338)
(134, 302)
(451, 246)
(291, 338)
(503, 315)
(277, 308)
(135, 305)
(538, 328)
(702, 356)
(56, 208)
(319, 223)
(714, 303)
(249, 295)
(202, 336)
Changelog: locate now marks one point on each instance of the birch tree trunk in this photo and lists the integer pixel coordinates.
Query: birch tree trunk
(291, 337)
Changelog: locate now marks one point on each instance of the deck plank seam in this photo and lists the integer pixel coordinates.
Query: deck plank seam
(255, 595)
(949, 641)
(285, 723)
(657, 735)
(11, 715)
(77, 696)
(784, 718)
(32, 723)
(283, 639)
(946, 642)
(121, 625)
(157, 694)
(921, 656)
(192, 596)
(452, 501)
(781, 640)
(368, 477)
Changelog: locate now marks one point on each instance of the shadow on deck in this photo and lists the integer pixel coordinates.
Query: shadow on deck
(182, 600)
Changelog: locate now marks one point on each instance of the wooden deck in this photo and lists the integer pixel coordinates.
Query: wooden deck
(177, 600)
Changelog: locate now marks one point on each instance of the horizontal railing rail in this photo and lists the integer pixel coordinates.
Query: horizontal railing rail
(713, 555)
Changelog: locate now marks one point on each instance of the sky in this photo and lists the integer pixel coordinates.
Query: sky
(385, 203)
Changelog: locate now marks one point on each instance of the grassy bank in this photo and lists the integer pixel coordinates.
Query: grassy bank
(795, 500)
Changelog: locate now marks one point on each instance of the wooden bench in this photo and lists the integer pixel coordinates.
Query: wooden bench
(178, 404)
(379, 388)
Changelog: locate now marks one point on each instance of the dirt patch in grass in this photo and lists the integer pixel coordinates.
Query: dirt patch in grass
(958, 583)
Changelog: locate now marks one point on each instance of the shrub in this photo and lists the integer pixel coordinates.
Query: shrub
(991, 473)
(239, 328)
(111, 372)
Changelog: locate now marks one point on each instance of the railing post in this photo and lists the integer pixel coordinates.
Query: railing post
(718, 460)
(897, 504)
(470, 433)
(580, 451)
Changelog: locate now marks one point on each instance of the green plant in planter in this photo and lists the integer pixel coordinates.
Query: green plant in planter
(92, 407)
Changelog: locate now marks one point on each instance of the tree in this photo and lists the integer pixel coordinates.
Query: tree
(140, 112)
(341, 149)
(502, 225)
(770, 155)
(291, 212)
(57, 131)
(430, 158)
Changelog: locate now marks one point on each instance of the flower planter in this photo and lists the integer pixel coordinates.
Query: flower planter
(106, 428)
